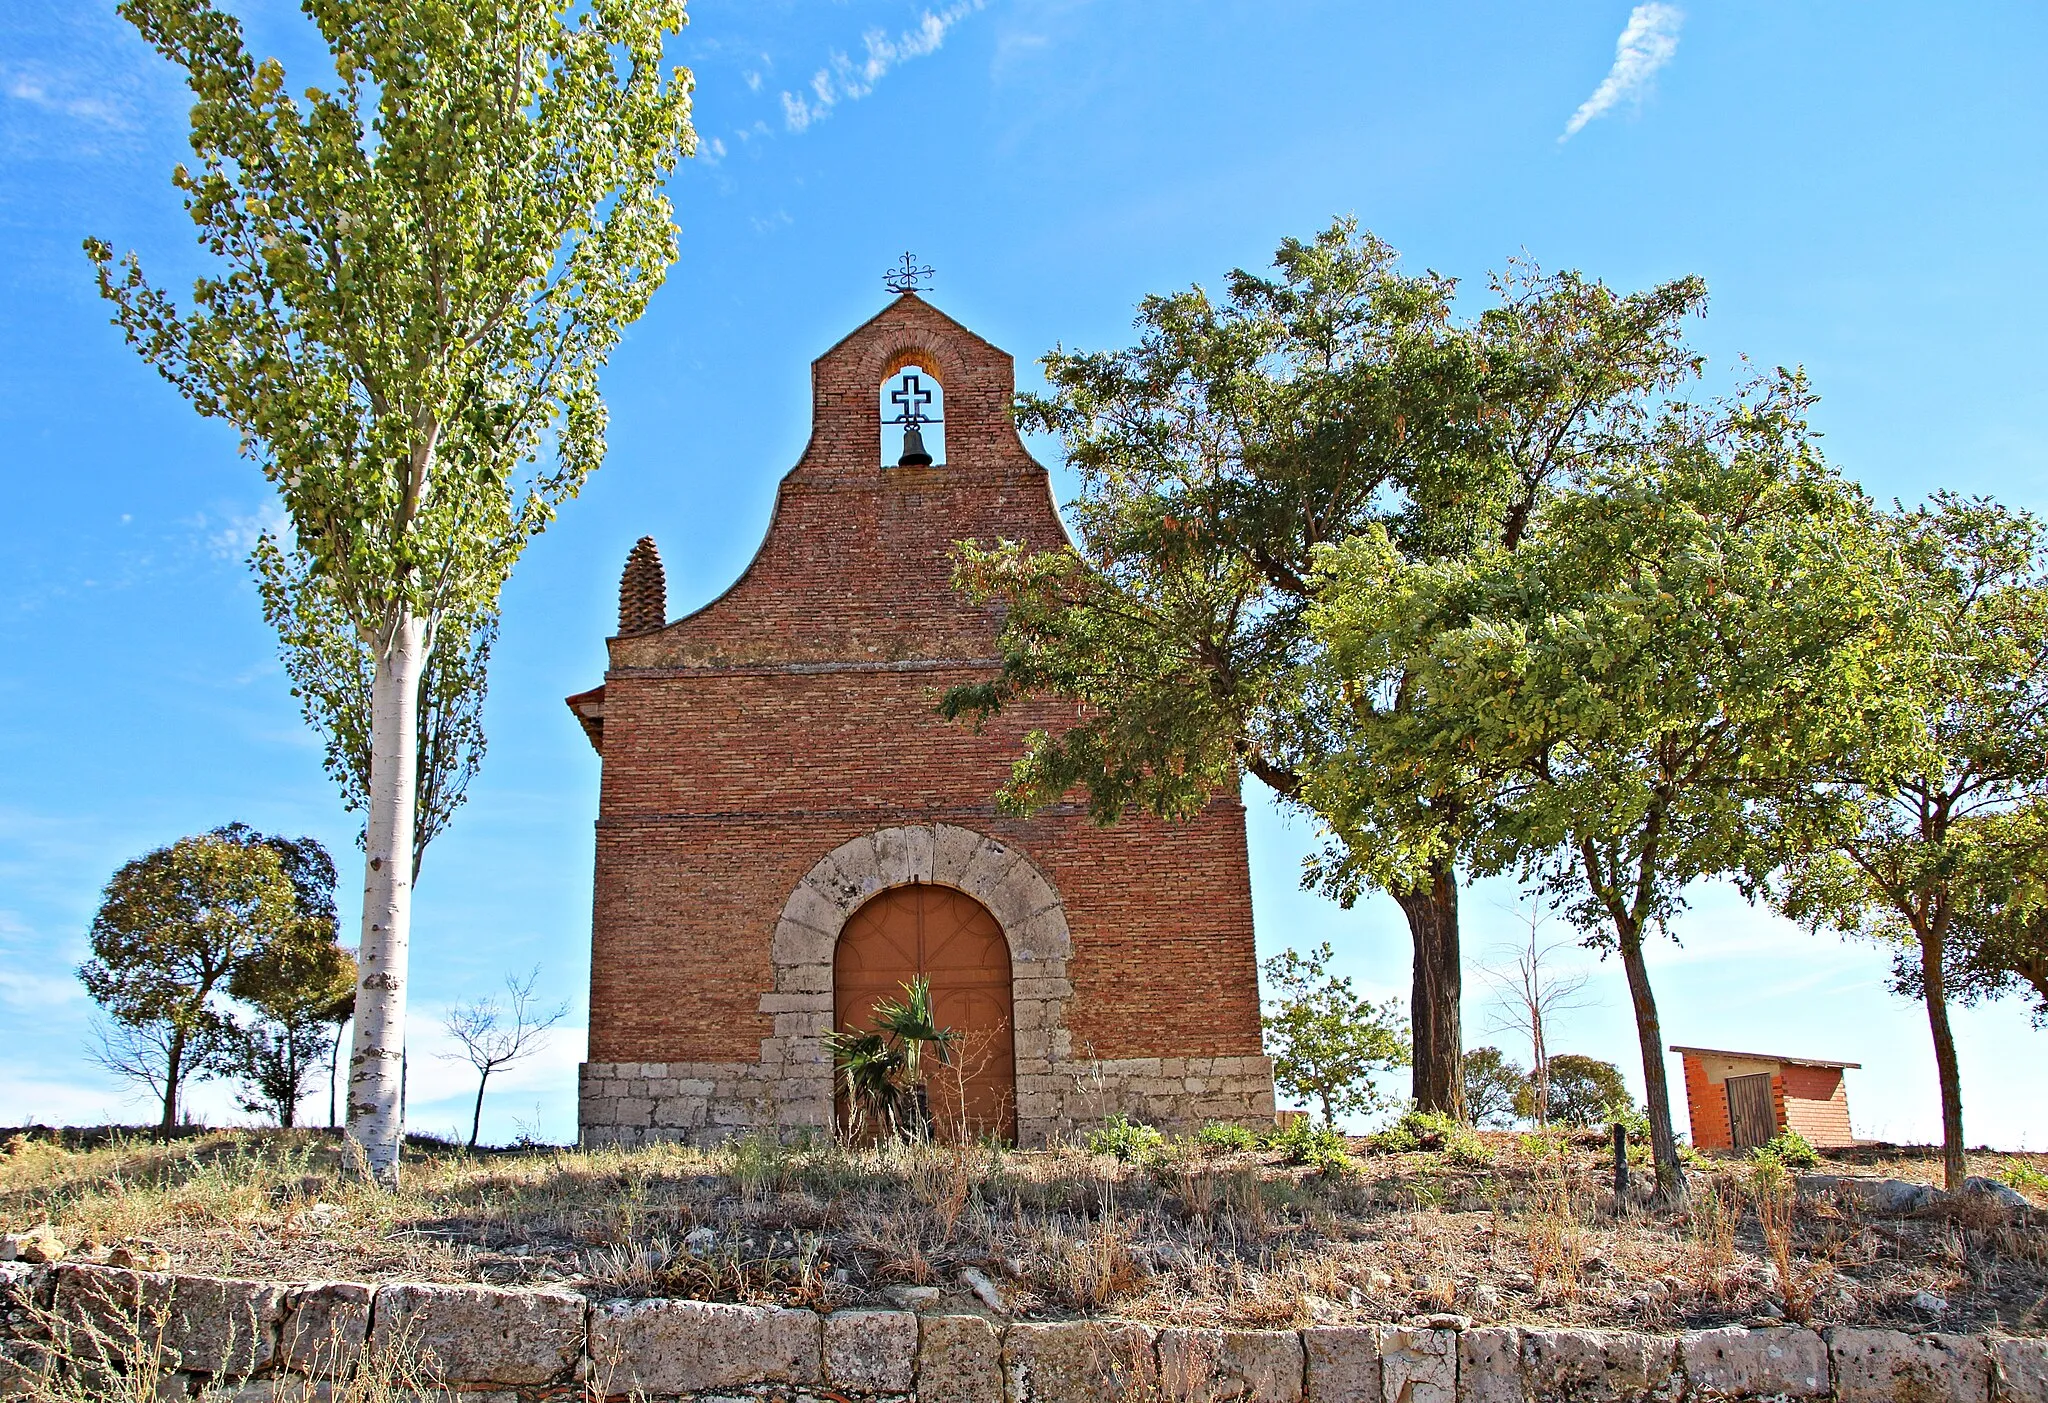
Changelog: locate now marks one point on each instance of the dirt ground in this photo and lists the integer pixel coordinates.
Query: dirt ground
(1498, 1227)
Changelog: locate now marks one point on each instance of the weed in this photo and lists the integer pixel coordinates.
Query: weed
(1787, 1148)
(1776, 1202)
(1122, 1138)
(1432, 1130)
(2019, 1174)
(1317, 1146)
(1228, 1135)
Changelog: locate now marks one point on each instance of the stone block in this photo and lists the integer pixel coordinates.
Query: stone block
(1418, 1366)
(1343, 1364)
(1490, 1365)
(680, 1112)
(633, 1110)
(1226, 1366)
(1079, 1361)
(952, 850)
(671, 1347)
(959, 1360)
(479, 1334)
(202, 1325)
(1596, 1366)
(1736, 1363)
(2019, 1370)
(1874, 1365)
(874, 1350)
(326, 1324)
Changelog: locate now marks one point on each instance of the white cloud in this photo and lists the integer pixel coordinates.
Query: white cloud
(1646, 44)
(846, 79)
(41, 90)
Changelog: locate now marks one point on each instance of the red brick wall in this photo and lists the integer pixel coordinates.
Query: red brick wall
(1816, 1104)
(795, 712)
(1707, 1102)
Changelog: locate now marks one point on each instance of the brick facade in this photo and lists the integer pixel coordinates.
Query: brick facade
(774, 759)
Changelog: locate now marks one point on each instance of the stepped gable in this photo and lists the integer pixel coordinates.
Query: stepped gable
(856, 564)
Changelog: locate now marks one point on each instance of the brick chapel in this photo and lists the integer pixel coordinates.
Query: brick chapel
(787, 830)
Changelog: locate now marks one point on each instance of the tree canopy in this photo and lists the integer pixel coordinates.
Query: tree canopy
(1239, 437)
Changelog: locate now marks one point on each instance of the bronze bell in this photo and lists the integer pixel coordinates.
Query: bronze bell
(914, 455)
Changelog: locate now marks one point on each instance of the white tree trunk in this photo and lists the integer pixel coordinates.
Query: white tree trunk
(375, 1109)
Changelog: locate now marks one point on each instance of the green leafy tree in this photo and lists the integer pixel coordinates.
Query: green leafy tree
(174, 927)
(423, 266)
(1999, 946)
(1326, 1040)
(1584, 1089)
(291, 986)
(1933, 842)
(1680, 637)
(1217, 456)
(1497, 1090)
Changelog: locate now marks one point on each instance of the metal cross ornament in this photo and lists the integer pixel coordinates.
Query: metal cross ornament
(910, 401)
(906, 276)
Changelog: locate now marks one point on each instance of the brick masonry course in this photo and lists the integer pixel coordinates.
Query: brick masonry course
(491, 1345)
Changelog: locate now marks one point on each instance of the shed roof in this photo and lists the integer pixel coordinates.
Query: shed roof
(1765, 1057)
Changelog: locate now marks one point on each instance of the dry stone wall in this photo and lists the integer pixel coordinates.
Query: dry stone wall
(262, 1342)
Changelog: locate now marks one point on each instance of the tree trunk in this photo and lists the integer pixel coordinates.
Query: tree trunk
(375, 1117)
(1953, 1166)
(476, 1117)
(174, 1068)
(1432, 911)
(1656, 1087)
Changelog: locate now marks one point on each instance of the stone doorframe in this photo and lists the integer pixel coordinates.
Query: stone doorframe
(1000, 877)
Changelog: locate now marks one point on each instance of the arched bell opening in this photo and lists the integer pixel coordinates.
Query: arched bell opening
(913, 413)
(957, 945)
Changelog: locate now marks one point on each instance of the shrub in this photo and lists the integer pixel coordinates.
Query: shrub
(1319, 1147)
(1131, 1141)
(1629, 1117)
(1226, 1135)
(1788, 1148)
(1432, 1130)
(2023, 1176)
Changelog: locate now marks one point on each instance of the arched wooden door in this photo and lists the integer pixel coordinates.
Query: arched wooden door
(953, 941)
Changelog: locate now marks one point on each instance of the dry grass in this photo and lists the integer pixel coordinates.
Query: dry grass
(1197, 1237)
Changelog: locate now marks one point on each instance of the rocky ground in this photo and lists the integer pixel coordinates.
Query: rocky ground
(1495, 1227)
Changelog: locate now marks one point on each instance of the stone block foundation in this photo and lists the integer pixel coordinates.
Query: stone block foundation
(232, 1339)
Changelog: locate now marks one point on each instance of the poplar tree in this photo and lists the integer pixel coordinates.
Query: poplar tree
(420, 269)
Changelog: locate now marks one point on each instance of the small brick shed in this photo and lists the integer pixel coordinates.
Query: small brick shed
(786, 827)
(1739, 1100)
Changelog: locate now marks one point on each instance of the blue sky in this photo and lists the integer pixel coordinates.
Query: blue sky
(1860, 184)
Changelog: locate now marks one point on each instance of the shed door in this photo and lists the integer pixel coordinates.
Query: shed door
(953, 941)
(1751, 1118)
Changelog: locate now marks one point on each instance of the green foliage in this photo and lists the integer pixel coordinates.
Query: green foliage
(1219, 456)
(1585, 1090)
(1126, 1139)
(1226, 1135)
(882, 1069)
(1325, 1039)
(1683, 633)
(1930, 839)
(1789, 1148)
(2024, 1176)
(1431, 1130)
(1320, 1147)
(1497, 1090)
(1629, 1116)
(173, 929)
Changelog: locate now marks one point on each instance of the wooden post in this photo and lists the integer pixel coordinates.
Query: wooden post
(1620, 1169)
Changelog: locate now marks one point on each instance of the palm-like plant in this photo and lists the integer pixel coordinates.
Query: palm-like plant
(882, 1071)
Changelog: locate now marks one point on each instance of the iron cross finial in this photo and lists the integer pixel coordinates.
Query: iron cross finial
(906, 276)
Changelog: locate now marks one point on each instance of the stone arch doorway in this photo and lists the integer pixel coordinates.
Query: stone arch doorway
(955, 943)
